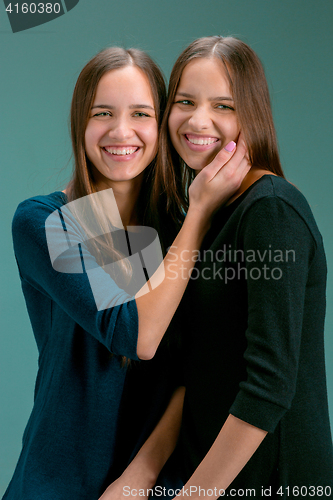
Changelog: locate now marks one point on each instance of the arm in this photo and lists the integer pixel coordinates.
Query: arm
(144, 469)
(123, 326)
(232, 449)
(210, 189)
(162, 441)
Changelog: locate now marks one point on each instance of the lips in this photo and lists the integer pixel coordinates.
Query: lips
(121, 153)
(120, 150)
(200, 143)
(201, 140)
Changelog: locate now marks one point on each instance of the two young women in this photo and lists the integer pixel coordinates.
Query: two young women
(68, 444)
(253, 345)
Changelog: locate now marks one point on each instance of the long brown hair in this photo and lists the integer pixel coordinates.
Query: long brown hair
(252, 103)
(82, 182)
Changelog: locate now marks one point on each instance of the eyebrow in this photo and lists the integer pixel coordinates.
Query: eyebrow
(219, 98)
(133, 106)
(141, 106)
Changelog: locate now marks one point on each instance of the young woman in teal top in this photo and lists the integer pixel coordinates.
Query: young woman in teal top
(68, 444)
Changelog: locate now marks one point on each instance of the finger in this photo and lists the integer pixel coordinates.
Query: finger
(228, 157)
(233, 176)
(231, 166)
(221, 158)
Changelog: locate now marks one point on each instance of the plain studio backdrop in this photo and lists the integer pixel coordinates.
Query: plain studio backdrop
(39, 67)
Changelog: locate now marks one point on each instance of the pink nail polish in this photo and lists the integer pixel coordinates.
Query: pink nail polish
(230, 147)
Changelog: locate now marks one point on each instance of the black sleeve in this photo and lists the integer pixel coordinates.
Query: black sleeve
(277, 242)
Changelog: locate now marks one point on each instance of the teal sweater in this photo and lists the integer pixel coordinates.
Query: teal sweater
(69, 441)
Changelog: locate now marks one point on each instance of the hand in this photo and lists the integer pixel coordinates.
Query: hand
(219, 180)
(136, 478)
(116, 491)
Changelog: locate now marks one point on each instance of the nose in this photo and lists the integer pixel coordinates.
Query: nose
(121, 130)
(200, 119)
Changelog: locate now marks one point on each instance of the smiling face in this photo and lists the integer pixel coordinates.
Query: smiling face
(203, 119)
(121, 134)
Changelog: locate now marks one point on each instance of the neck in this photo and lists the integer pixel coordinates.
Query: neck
(252, 176)
(126, 194)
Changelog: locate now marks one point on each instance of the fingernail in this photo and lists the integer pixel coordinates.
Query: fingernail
(230, 147)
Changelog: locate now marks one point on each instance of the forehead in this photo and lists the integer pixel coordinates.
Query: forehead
(125, 84)
(205, 74)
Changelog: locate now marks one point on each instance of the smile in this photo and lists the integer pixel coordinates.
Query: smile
(120, 151)
(201, 141)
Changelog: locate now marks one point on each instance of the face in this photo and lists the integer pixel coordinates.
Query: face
(121, 135)
(203, 118)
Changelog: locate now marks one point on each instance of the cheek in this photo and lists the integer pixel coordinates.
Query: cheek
(149, 136)
(173, 124)
(87, 141)
(229, 130)
(234, 128)
(90, 137)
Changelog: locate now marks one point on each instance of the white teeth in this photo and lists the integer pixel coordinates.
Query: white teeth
(124, 151)
(202, 142)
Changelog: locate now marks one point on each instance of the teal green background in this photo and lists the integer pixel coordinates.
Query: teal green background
(294, 39)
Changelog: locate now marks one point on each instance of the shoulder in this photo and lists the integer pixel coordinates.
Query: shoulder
(272, 186)
(273, 198)
(28, 225)
(48, 202)
(36, 209)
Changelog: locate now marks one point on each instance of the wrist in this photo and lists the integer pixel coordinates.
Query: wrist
(140, 472)
(199, 218)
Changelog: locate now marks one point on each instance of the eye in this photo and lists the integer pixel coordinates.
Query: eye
(140, 114)
(186, 102)
(103, 113)
(224, 106)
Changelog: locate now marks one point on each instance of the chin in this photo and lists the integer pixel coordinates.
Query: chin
(196, 166)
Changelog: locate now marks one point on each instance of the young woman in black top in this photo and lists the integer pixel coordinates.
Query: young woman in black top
(255, 413)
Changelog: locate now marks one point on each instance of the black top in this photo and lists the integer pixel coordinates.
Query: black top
(254, 325)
